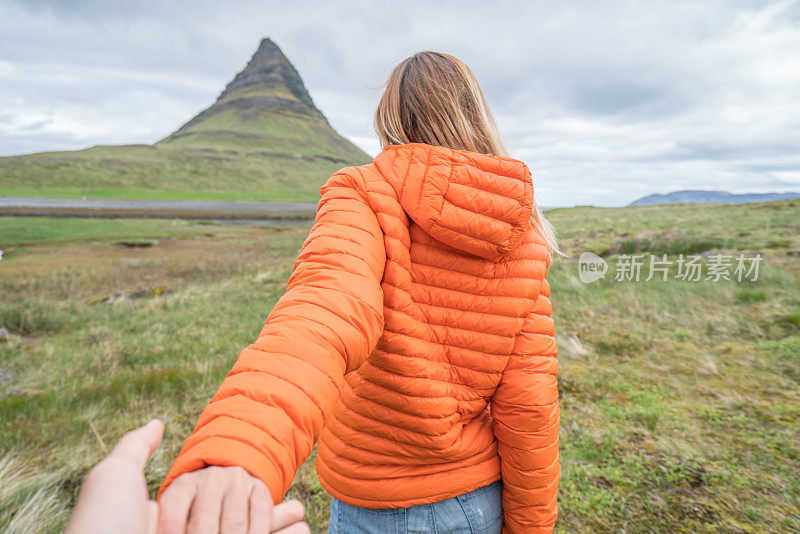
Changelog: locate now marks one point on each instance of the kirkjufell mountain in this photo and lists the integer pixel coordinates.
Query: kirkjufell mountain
(267, 105)
(263, 138)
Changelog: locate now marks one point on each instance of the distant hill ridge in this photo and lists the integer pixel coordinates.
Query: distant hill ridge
(262, 139)
(690, 196)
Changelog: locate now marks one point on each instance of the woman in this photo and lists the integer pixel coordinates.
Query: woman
(414, 341)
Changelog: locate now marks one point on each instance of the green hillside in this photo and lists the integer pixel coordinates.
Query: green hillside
(263, 139)
(680, 400)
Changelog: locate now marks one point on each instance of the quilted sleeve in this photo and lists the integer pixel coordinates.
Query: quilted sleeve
(525, 418)
(270, 409)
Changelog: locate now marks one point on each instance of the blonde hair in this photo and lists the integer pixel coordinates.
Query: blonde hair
(434, 98)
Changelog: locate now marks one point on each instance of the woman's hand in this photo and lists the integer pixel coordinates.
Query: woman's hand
(113, 497)
(225, 500)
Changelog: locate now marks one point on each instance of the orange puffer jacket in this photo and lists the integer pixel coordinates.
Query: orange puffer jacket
(414, 341)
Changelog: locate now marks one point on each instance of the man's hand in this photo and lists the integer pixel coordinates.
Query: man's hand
(226, 500)
(113, 497)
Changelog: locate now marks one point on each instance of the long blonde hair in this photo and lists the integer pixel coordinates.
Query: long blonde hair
(434, 98)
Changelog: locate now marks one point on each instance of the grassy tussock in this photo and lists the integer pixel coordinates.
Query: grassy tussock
(30, 501)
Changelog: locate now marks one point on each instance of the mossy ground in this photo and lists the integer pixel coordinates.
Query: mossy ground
(680, 400)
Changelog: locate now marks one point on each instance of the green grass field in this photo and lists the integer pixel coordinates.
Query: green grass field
(680, 400)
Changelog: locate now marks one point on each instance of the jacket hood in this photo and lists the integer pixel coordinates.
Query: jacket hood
(478, 203)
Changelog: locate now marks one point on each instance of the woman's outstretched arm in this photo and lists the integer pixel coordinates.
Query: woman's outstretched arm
(526, 419)
(270, 409)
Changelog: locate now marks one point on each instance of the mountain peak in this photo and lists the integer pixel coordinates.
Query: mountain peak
(267, 88)
(266, 108)
(267, 47)
(270, 69)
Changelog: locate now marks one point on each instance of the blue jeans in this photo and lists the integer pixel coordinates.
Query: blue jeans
(479, 511)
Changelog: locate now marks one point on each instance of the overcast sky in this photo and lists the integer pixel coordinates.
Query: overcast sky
(605, 101)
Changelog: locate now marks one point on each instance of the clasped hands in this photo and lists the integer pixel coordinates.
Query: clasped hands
(225, 500)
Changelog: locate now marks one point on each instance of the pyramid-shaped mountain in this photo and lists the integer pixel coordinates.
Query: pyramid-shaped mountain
(266, 105)
(263, 138)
